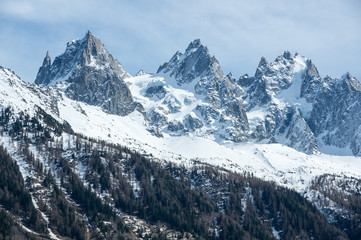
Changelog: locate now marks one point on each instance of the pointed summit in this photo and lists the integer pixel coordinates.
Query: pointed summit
(197, 71)
(88, 51)
(193, 63)
(89, 37)
(311, 69)
(92, 75)
(263, 62)
(262, 66)
(88, 34)
(287, 55)
(311, 81)
(47, 59)
(140, 73)
(350, 83)
(195, 44)
(44, 71)
(347, 76)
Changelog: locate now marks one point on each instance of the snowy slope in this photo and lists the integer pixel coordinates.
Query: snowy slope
(190, 96)
(286, 101)
(277, 105)
(274, 162)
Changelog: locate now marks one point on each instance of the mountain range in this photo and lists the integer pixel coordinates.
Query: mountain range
(188, 152)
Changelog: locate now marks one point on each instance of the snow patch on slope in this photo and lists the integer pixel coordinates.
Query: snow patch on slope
(273, 162)
(292, 95)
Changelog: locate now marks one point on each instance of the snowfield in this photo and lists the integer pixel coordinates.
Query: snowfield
(273, 162)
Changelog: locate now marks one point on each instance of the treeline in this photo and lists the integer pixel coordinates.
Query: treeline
(9, 229)
(204, 202)
(13, 194)
(65, 218)
(180, 197)
(334, 193)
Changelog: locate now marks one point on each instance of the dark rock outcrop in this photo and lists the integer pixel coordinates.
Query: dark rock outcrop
(88, 73)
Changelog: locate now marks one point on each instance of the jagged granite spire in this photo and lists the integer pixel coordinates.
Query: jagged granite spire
(287, 55)
(262, 66)
(194, 45)
(312, 82)
(47, 59)
(276, 89)
(193, 63)
(43, 74)
(91, 75)
(288, 101)
(196, 70)
(336, 115)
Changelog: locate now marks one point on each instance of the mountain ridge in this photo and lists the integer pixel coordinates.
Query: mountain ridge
(88, 73)
(285, 92)
(79, 157)
(181, 153)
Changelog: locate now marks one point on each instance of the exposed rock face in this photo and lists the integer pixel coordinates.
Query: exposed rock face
(194, 63)
(44, 71)
(336, 115)
(312, 82)
(90, 75)
(279, 99)
(219, 107)
(288, 101)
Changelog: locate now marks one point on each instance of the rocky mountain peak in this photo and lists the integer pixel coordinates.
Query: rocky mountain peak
(91, 74)
(311, 82)
(195, 62)
(262, 65)
(287, 55)
(93, 47)
(311, 69)
(347, 76)
(88, 34)
(352, 83)
(44, 71)
(140, 73)
(326, 108)
(194, 45)
(88, 51)
(47, 59)
(219, 110)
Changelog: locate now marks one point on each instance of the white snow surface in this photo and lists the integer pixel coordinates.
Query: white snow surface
(174, 95)
(273, 162)
(292, 94)
(256, 116)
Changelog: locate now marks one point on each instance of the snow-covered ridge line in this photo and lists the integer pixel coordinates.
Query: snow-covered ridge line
(273, 162)
(286, 101)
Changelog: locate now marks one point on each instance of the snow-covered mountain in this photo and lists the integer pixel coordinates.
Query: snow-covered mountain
(286, 101)
(289, 102)
(336, 116)
(56, 111)
(276, 107)
(190, 96)
(87, 124)
(191, 100)
(88, 73)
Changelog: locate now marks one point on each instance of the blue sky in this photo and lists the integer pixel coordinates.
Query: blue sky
(143, 34)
